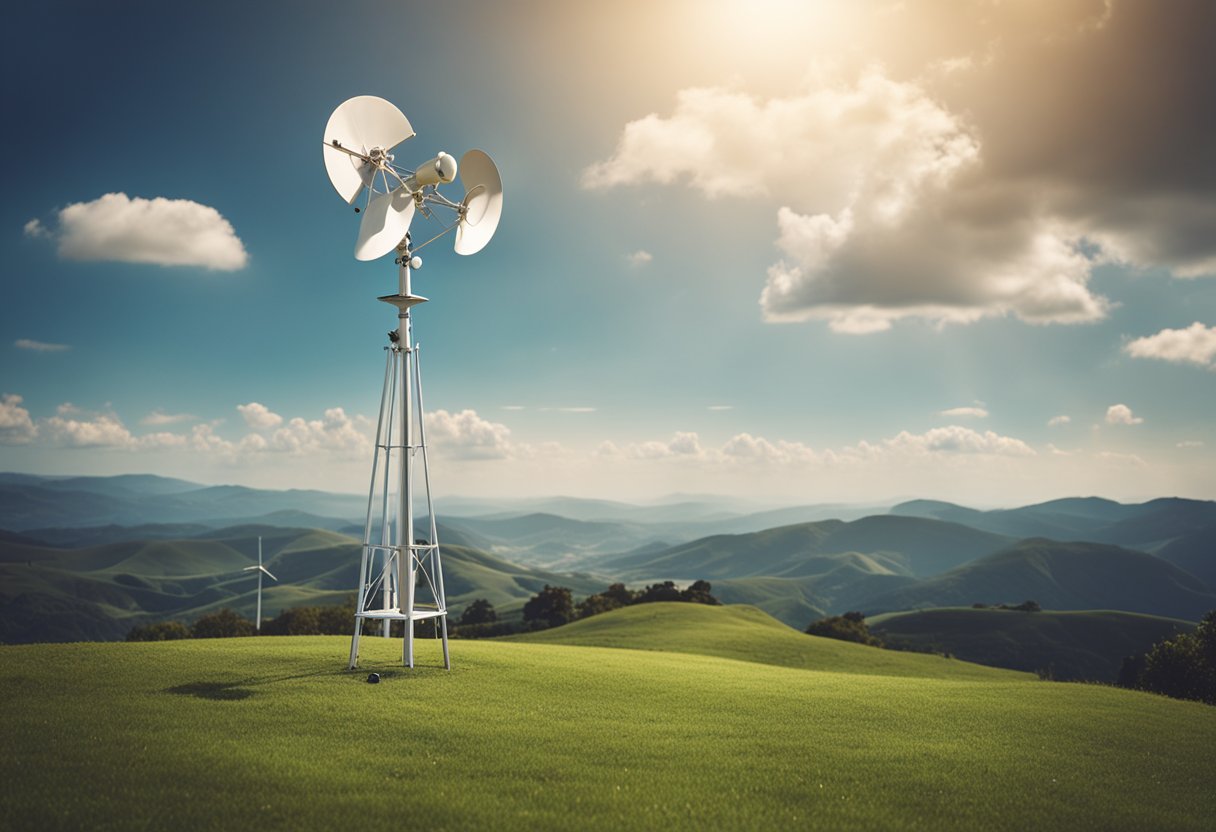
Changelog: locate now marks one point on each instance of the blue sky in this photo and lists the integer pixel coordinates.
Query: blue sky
(796, 251)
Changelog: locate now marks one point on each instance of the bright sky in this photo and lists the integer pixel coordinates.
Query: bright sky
(798, 251)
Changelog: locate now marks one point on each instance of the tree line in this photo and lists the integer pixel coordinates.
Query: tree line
(552, 606)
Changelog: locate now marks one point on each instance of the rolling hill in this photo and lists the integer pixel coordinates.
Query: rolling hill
(747, 634)
(272, 733)
(908, 545)
(100, 592)
(1138, 525)
(1061, 576)
(1087, 645)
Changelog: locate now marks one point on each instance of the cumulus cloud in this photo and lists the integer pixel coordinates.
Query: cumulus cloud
(882, 212)
(1194, 345)
(961, 185)
(258, 416)
(1121, 414)
(159, 418)
(465, 435)
(16, 426)
(39, 346)
(165, 232)
(1059, 421)
(956, 439)
(965, 412)
(639, 258)
(335, 432)
(71, 428)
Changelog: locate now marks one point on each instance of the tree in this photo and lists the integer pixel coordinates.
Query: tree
(1183, 667)
(665, 591)
(614, 597)
(848, 627)
(222, 624)
(699, 593)
(553, 606)
(479, 611)
(159, 631)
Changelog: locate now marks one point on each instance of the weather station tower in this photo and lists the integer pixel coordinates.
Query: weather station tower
(400, 567)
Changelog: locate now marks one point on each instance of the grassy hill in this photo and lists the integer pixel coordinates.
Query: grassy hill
(271, 733)
(1087, 645)
(909, 545)
(1061, 576)
(100, 592)
(747, 634)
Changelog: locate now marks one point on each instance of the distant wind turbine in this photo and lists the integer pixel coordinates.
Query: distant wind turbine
(259, 569)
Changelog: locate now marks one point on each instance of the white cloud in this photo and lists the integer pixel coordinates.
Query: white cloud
(955, 439)
(747, 448)
(513, 407)
(1190, 443)
(16, 426)
(719, 407)
(576, 409)
(165, 232)
(883, 212)
(965, 412)
(39, 346)
(466, 435)
(1121, 414)
(258, 416)
(158, 418)
(35, 228)
(639, 258)
(335, 431)
(72, 428)
(1058, 421)
(1194, 345)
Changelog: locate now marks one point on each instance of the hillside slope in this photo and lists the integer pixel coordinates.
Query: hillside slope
(100, 592)
(272, 733)
(747, 634)
(1086, 645)
(1061, 576)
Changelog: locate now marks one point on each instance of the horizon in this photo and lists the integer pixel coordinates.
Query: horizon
(959, 253)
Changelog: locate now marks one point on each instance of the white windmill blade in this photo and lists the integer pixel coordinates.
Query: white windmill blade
(267, 571)
(481, 208)
(251, 569)
(358, 128)
(384, 223)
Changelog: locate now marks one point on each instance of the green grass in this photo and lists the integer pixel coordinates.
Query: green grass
(749, 634)
(271, 733)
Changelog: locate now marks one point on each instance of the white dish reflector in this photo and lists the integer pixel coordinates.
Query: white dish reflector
(384, 223)
(482, 202)
(359, 125)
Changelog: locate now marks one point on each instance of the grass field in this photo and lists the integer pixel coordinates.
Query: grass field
(272, 733)
(749, 634)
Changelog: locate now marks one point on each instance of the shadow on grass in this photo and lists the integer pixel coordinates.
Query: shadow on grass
(219, 691)
(231, 691)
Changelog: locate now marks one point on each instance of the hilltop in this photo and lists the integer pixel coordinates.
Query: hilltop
(747, 634)
(258, 733)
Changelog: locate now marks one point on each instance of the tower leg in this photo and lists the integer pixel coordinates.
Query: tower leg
(447, 660)
(354, 644)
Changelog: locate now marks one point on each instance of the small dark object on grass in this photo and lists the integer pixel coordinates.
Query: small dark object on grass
(373, 678)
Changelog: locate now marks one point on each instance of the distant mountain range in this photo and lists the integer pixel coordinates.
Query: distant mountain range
(106, 552)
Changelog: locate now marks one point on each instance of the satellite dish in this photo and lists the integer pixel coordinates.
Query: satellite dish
(358, 149)
(481, 207)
